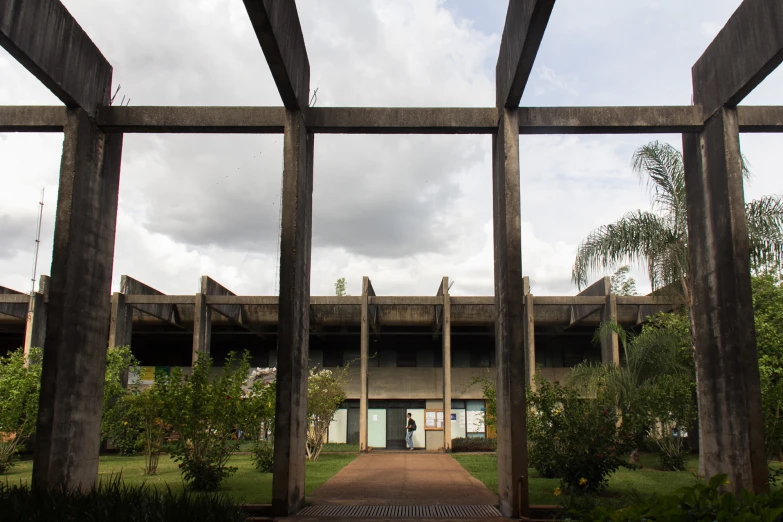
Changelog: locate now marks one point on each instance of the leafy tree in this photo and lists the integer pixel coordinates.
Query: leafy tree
(339, 287)
(621, 283)
(20, 385)
(205, 413)
(325, 393)
(768, 312)
(655, 382)
(489, 391)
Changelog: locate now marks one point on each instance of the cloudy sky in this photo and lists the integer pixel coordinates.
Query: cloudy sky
(404, 210)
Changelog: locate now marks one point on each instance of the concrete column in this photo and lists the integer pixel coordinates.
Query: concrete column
(610, 344)
(35, 332)
(729, 392)
(530, 340)
(446, 336)
(78, 315)
(365, 349)
(202, 327)
(288, 484)
(121, 327)
(509, 319)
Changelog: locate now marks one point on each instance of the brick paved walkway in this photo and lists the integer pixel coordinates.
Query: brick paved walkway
(404, 478)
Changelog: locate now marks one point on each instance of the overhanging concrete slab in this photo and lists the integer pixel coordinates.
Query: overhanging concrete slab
(746, 50)
(165, 311)
(26, 118)
(279, 32)
(44, 37)
(526, 21)
(13, 303)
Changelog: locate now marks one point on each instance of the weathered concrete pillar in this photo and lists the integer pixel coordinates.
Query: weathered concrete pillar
(288, 485)
(365, 349)
(446, 337)
(530, 340)
(202, 327)
(729, 391)
(121, 327)
(77, 326)
(509, 319)
(610, 343)
(35, 332)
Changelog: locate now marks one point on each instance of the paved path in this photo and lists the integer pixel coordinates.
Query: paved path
(403, 478)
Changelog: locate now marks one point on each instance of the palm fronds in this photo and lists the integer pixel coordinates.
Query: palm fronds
(765, 231)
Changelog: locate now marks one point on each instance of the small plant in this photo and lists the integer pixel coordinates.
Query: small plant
(263, 456)
(693, 504)
(463, 444)
(115, 501)
(20, 384)
(116, 425)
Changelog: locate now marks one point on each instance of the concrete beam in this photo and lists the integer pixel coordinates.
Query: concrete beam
(509, 320)
(526, 21)
(164, 310)
(530, 340)
(288, 483)
(231, 311)
(186, 120)
(364, 355)
(121, 327)
(35, 329)
(602, 287)
(44, 37)
(446, 343)
(729, 391)
(610, 343)
(13, 303)
(745, 51)
(77, 326)
(609, 120)
(279, 32)
(399, 120)
(407, 300)
(30, 118)
(202, 327)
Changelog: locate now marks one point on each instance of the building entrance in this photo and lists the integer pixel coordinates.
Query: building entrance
(396, 422)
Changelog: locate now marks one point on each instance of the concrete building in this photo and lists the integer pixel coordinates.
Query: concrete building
(407, 339)
(42, 35)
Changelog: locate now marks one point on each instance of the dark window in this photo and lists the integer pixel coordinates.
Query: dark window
(333, 357)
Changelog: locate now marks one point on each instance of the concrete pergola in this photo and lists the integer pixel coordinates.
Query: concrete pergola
(45, 38)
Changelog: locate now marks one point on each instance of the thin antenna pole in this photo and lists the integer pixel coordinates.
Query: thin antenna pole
(37, 240)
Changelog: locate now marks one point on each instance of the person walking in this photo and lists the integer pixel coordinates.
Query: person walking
(411, 427)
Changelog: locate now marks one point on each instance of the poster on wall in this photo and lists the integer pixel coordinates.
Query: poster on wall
(433, 419)
(439, 420)
(475, 422)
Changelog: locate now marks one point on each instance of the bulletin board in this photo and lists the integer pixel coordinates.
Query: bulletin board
(433, 419)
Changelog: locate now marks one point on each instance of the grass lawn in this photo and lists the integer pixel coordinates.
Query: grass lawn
(646, 481)
(246, 485)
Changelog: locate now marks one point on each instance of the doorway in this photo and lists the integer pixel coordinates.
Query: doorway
(352, 435)
(396, 422)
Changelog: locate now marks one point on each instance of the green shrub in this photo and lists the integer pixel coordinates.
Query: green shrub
(574, 437)
(263, 455)
(702, 502)
(114, 501)
(470, 444)
(205, 413)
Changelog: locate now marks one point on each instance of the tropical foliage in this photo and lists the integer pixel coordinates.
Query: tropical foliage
(20, 384)
(658, 240)
(116, 423)
(325, 393)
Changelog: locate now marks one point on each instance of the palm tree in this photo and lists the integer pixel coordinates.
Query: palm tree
(659, 239)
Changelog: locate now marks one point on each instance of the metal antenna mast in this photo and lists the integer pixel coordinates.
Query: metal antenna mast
(37, 240)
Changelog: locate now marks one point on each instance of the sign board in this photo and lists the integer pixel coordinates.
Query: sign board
(433, 419)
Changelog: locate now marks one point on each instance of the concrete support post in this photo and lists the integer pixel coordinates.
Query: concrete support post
(121, 327)
(288, 484)
(35, 331)
(78, 315)
(446, 337)
(365, 349)
(610, 344)
(202, 327)
(509, 319)
(530, 340)
(729, 391)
